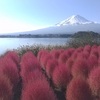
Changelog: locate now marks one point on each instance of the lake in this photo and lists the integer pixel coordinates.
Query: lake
(14, 43)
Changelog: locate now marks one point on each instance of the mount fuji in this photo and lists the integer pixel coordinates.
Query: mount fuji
(74, 20)
(70, 25)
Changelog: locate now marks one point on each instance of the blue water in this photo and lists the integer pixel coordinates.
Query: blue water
(14, 43)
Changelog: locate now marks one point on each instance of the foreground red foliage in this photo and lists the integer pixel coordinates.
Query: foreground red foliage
(33, 77)
(64, 57)
(5, 88)
(94, 81)
(78, 89)
(87, 48)
(61, 77)
(55, 53)
(69, 64)
(40, 53)
(44, 59)
(39, 90)
(14, 56)
(71, 74)
(80, 68)
(28, 64)
(92, 61)
(8, 68)
(50, 67)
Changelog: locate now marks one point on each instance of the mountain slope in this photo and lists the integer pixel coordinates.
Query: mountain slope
(70, 25)
(68, 29)
(74, 20)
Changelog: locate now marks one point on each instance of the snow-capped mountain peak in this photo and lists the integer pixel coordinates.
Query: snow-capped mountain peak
(71, 25)
(74, 20)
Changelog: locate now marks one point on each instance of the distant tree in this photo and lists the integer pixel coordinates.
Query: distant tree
(84, 34)
(83, 38)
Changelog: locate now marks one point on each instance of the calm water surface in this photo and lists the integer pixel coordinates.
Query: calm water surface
(14, 43)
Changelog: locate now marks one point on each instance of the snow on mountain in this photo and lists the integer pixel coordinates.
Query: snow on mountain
(71, 25)
(74, 20)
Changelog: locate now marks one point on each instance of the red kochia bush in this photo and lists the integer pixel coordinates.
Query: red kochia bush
(5, 88)
(71, 51)
(14, 56)
(86, 54)
(94, 51)
(29, 60)
(99, 61)
(40, 53)
(87, 48)
(79, 49)
(94, 46)
(33, 77)
(81, 55)
(64, 57)
(78, 89)
(92, 61)
(39, 90)
(44, 60)
(94, 81)
(69, 64)
(29, 63)
(98, 50)
(8, 68)
(74, 55)
(55, 53)
(61, 77)
(80, 68)
(51, 65)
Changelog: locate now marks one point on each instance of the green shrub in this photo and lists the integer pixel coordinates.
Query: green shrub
(84, 38)
(36, 48)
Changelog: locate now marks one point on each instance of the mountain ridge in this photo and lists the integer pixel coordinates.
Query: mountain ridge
(74, 20)
(70, 25)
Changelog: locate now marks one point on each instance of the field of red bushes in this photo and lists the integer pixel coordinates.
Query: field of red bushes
(59, 74)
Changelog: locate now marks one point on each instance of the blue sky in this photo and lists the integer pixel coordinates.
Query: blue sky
(23, 15)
